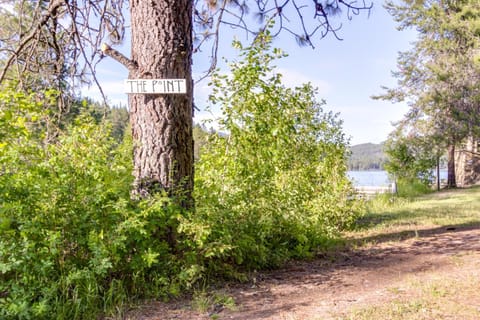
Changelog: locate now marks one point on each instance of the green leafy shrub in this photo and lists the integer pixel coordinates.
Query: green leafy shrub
(410, 160)
(72, 244)
(274, 186)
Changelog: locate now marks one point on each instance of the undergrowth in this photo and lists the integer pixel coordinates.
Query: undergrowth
(73, 245)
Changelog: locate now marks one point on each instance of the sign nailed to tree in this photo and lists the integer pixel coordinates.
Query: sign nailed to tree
(155, 86)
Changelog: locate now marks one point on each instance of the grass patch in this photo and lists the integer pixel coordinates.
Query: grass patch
(438, 297)
(391, 216)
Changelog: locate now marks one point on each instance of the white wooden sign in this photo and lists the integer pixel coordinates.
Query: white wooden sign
(155, 86)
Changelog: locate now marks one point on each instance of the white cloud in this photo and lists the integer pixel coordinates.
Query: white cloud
(293, 78)
(290, 78)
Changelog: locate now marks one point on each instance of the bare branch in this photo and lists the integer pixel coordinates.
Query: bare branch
(52, 8)
(75, 39)
(309, 20)
(131, 65)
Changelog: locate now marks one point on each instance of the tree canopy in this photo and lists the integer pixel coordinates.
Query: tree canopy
(63, 38)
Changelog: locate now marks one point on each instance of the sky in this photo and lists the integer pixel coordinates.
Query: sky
(347, 73)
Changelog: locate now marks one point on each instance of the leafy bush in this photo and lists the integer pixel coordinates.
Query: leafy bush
(274, 186)
(410, 159)
(72, 244)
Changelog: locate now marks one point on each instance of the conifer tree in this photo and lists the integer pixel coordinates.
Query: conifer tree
(439, 76)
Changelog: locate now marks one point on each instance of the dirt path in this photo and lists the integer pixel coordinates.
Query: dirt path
(370, 275)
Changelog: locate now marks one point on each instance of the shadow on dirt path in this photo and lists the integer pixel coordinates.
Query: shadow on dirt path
(327, 287)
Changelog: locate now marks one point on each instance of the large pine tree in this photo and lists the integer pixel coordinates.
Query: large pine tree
(162, 124)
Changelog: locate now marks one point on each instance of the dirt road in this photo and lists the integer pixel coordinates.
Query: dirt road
(384, 272)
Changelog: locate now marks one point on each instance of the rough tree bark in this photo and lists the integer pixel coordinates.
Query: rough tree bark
(438, 172)
(161, 124)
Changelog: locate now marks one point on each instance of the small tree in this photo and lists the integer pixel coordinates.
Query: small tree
(410, 158)
(277, 178)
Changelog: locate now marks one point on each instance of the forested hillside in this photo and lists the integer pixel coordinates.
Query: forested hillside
(366, 156)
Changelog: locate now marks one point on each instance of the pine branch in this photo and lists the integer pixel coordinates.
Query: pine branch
(119, 57)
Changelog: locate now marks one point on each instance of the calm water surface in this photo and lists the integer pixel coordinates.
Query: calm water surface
(369, 178)
(377, 178)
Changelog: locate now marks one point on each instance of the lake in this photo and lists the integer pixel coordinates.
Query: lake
(377, 178)
(369, 178)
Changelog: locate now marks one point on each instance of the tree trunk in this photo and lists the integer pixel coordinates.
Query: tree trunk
(162, 124)
(438, 173)
(451, 181)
